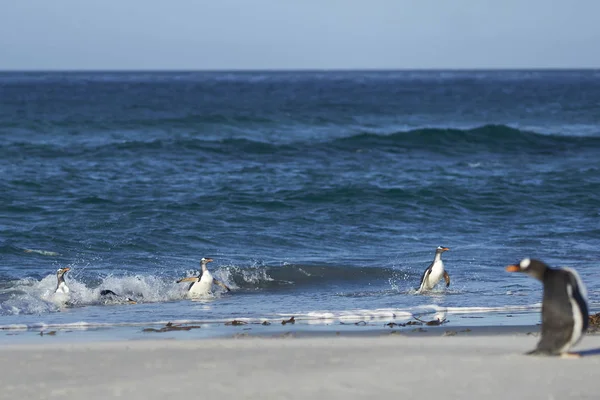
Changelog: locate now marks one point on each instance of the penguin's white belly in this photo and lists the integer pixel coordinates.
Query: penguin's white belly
(437, 272)
(62, 288)
(202, 287)
(61, 295)
(577, 322)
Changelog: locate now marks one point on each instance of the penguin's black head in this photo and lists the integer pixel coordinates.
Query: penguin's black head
(205, 260)
(533, 268)
(441, 249)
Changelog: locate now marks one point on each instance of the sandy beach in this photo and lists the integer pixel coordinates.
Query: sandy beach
(459, 366)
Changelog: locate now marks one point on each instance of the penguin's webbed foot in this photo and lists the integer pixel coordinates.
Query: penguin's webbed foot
(549, 353)
(570, 355)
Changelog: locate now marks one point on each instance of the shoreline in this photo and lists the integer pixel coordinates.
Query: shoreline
(235, 328)
(296, 368)
(277, 328)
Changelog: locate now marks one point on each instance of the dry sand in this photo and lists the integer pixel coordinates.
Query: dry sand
(456, 367)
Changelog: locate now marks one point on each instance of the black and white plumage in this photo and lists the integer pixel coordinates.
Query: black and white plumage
(564, 306)
(111, 297)
(434, 273)
(61, 286)
(202, 284)
(62, 292)
(61, 295)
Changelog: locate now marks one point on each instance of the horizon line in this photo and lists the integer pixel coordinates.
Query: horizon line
(275, 70)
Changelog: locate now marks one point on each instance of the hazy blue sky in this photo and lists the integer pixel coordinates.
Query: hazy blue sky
(274, 34)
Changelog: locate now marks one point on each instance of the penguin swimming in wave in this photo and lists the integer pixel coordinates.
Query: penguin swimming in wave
(111, 297)
(564, 306)
(202, 284)
(62, 292)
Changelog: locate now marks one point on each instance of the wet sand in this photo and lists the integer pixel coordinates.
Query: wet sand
(403, 366)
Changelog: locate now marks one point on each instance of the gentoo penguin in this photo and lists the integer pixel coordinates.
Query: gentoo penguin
(202, 284)
(434, 272)
(564, 306)
(61, 286)
(61, 293)
(111, 297)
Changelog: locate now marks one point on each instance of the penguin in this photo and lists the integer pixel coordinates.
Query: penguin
(202, 284)
(111, 297)
(61, 294)
(61, 286)
(435, 272)
(564, 307)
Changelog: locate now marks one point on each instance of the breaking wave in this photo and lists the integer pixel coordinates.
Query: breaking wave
(32, 296)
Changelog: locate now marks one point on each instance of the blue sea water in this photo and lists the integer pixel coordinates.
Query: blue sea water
(321, 195)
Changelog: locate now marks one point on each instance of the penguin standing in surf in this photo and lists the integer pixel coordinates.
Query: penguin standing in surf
(62, 290)
(564, 306)
(434, 273)
(202, 284)
(61, 295)
(61, 286)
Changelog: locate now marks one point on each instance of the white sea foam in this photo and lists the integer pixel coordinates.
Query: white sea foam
(254, 276)
(30, 296)
(42, 252)
(430, 312)
(315, 317)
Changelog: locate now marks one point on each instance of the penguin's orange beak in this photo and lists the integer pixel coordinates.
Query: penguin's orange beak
(66, 269)
(209, 260)
(445, 248)
(513, 268)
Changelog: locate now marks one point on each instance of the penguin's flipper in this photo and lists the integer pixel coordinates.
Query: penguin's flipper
(579, 296)
(424, 278)
(447, 278)
(224, 286)
(188, 279)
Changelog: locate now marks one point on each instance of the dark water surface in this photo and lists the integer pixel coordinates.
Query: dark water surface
(318, 194)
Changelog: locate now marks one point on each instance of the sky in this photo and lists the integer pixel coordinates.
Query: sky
(298, 34)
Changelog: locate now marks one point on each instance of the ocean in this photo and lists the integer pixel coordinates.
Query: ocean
(320, 194)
